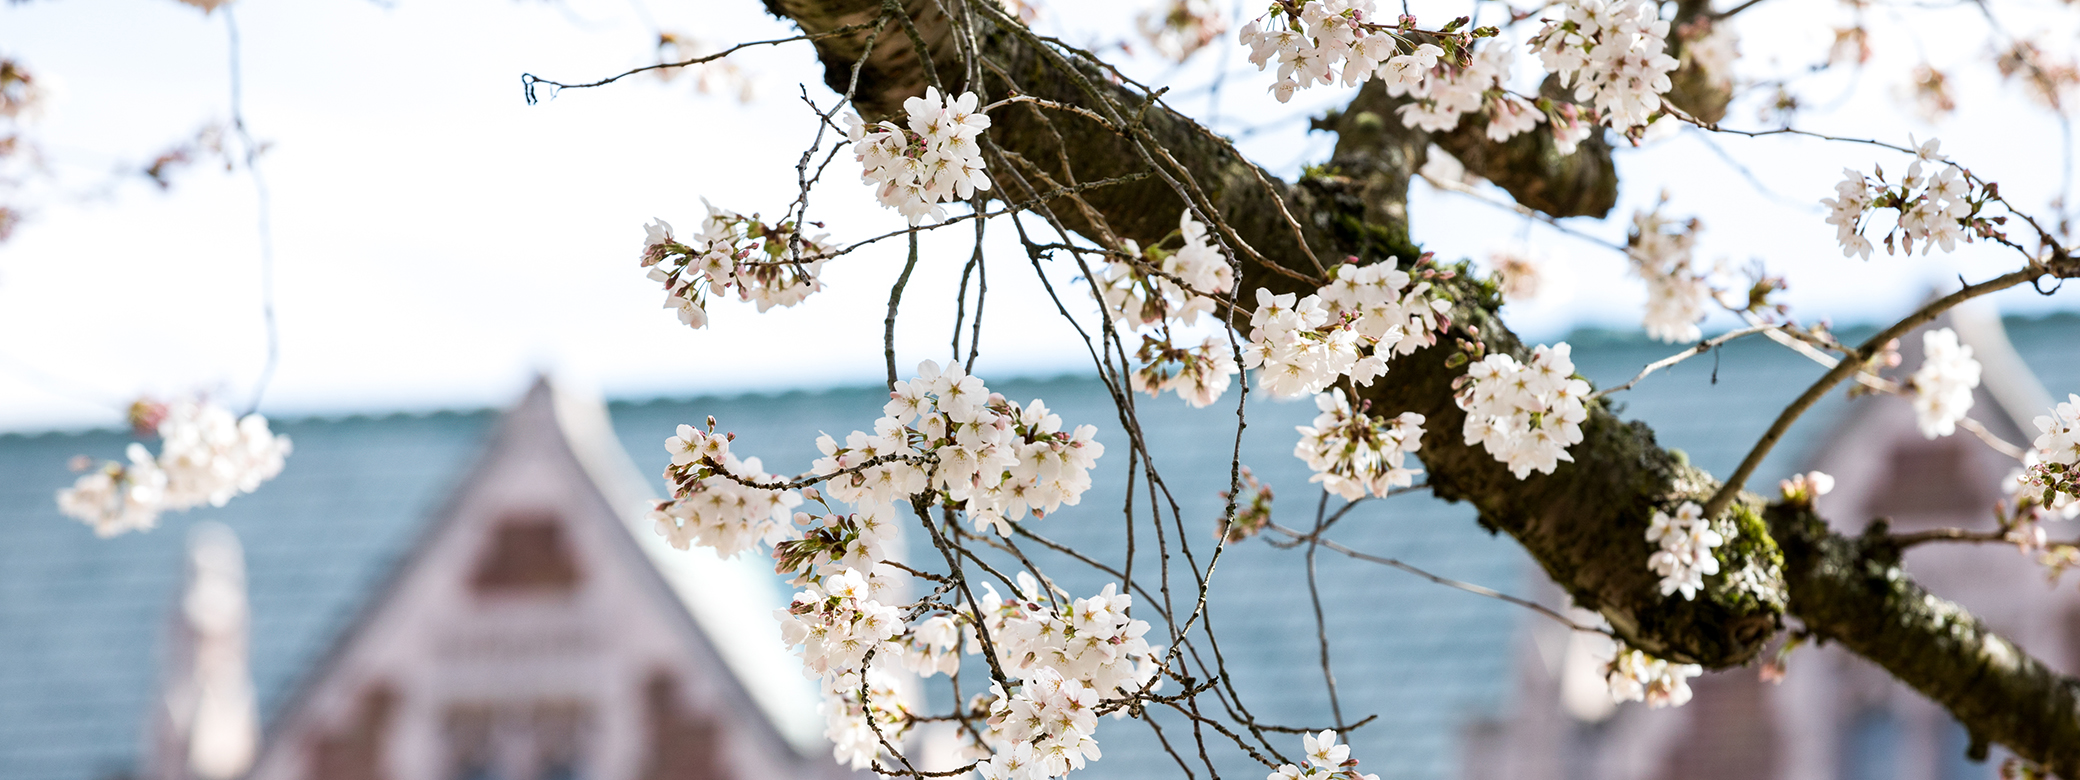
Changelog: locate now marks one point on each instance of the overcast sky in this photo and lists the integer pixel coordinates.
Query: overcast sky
(438, 240)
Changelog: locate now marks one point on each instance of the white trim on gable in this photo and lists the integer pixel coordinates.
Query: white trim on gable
(732, 599)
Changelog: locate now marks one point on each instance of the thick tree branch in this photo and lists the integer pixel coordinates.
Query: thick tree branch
(1854, 592)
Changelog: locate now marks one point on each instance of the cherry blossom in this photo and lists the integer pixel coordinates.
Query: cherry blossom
(1635, 676)
(206, 456)
(1516, 273)
(1678, 289)
(2052, 464)
(710, 504)
(1155, 290)
(1068, 661)
(767, 265)
(1685, 556)
(1200, 374)
(1159, 287)
(1404, 72)
(1353, 453)
(1326, 760)
(1613, 52)
(1450, 91)
(1292, 347)
(1845, 212)
(933, 159)
(1525, 414)
(1935, 209)
(1803, 488)
(1329, 41)
(1350, 327)
(1943, 385)
(1387, 306)
(1570, 125)
(997, 460)
(847, 718)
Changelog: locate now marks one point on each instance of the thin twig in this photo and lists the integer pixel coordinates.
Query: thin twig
(1449, 582)
(1701, 348)
(529, 80)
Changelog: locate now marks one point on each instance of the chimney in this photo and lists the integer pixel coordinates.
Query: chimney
(208, 725)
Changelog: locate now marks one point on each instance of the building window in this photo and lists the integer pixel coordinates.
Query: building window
(527, 554)
(542, 740)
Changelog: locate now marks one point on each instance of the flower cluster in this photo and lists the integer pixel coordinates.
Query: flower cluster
(1516, 273)
(1199, 374)
(1852, 198)
(1934, 209)
(1804, 488)
(1713, 52)
(1635, 676)
(206, 456)
(1157, 288)
(1330, 41)
(1327, 41)
(1326, 760)
(997, 460)
(837, 622)
(1450, 90)
(768, 265)
(936, 158)
(711, 505)
(1069, 660)
(1525, 414)
(1943, 385)
(1354, 452)
(1180, 28)
(1296, 350)
(849, 633)
(851, 722)
(1685, 557)
(1678, 290)
(1365, 314)
(2054, 458)
(1614, 52)
(1390, 310)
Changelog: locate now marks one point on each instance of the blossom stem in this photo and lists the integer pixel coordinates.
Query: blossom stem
(1701, 348)
(1851, 364)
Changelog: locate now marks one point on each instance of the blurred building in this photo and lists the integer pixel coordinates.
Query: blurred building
(472, 596)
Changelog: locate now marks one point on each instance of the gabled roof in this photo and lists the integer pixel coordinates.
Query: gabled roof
(719, 606)
(81, 617)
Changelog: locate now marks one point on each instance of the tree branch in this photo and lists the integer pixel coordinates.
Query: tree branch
(1854, 592)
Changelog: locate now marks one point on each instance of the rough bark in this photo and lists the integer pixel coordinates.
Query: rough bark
(1585, 523)
(1530, 166)
(1853, 591)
